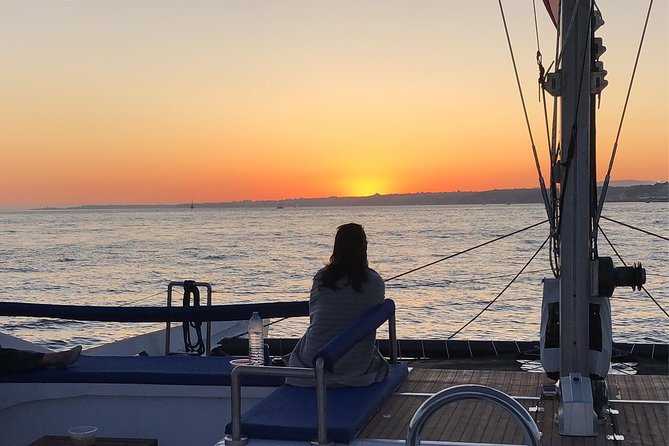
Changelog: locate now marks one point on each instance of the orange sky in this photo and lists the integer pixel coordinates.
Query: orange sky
(135, 101)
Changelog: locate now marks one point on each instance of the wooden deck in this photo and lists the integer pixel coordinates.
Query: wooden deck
(636, 423)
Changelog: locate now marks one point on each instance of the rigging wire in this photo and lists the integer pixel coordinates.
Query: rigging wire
(553, 246)
(505, 288)
(622, 118)
(554, 243)
(541, 82)
(623, 262)
(466, 250)
(276, 321)
(441, 260)
(542, 184)
(635, 228)
(142, 299)
(480, 278)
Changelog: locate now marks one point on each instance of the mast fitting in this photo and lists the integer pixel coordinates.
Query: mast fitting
(553, 84)
(597, 82)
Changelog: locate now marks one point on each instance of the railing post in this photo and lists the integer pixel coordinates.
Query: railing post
(392, 336)
(322, 403)
(235, 439)
(168, 325)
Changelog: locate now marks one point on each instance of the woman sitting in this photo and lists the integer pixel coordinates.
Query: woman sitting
(341, 292)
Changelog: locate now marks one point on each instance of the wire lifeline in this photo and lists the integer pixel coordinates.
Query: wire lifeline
(142, 299)
(635, 228)
(607, 179)
(623, 262)
(267, 325)
(467, 250)
(505, 288)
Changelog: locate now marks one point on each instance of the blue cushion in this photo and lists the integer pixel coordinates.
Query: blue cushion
(289, 413)
(175, 370)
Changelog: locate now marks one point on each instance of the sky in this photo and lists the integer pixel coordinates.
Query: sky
(165, 101)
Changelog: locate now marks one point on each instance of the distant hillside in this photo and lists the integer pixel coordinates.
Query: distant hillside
(658, 192)
(655, 192)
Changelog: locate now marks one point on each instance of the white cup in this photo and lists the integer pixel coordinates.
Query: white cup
(83, 435)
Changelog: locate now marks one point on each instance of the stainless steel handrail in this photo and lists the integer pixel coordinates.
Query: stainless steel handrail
(236, 439)
(476, 392)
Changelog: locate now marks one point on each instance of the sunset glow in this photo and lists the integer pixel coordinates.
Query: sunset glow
(143, 101)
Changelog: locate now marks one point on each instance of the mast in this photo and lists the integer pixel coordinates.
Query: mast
(576, 141)
(576, 416)
(586, 280)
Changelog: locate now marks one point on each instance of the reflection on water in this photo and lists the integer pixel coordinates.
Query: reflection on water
(127, 257)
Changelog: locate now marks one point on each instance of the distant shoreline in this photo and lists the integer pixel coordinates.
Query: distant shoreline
(658, 192)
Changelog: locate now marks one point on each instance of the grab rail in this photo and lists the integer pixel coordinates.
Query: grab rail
(323, 360)
(236, 439)
(477, 392)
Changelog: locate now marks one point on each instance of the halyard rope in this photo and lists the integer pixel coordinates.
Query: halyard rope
(544, 193)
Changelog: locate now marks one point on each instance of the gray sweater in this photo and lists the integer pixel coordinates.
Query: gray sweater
(330, 311)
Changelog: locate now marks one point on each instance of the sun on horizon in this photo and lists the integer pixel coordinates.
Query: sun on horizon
(133, 103)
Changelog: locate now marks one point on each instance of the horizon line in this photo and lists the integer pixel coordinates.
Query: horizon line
(332, 197)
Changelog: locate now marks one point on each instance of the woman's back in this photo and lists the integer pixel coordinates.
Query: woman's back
(342, 292)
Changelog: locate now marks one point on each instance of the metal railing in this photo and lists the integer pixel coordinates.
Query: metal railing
(476, 392)
(235, 438)
(318, 373)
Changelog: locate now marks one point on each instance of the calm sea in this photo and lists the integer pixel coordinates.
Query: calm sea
(127, 257)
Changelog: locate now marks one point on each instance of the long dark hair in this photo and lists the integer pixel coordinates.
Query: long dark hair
(349, 258)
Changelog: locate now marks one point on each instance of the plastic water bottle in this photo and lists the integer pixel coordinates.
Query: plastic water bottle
(256, 342)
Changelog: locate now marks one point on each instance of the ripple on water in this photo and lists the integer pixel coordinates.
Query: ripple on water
(121, 258)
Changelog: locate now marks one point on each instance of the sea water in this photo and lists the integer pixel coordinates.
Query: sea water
(126, 257)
